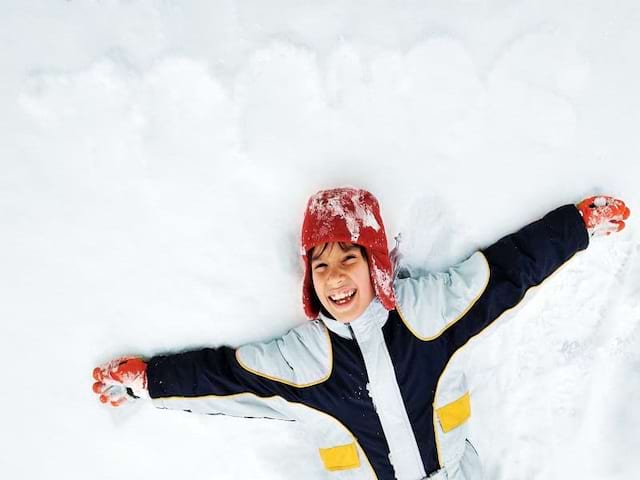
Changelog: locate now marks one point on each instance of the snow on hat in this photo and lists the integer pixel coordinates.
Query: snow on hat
(350, 215)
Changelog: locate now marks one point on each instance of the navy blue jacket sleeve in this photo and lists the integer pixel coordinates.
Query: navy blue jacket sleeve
(520, 261)
(209, 371)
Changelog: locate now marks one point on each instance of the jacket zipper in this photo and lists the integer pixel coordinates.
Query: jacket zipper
(353, 335)
(364, 364)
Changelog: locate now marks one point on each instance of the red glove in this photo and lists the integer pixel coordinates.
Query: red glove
(120, 380)
(603, 215)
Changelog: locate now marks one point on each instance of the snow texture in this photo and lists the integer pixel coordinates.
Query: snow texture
(156, 160)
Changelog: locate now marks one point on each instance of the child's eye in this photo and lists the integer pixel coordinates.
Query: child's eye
(319, 266)
(349, 257)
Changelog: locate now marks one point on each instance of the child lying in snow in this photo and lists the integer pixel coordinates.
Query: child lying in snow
(372, 375)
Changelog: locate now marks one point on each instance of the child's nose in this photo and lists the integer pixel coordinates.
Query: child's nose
(336, 276)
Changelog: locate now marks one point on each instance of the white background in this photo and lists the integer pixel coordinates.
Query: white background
(155, 160)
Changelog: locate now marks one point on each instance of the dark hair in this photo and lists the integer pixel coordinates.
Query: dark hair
(344, 246)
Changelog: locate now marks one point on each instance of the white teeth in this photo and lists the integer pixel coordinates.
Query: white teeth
(342, 295)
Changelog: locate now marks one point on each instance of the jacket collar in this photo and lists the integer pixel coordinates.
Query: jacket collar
(375, 315)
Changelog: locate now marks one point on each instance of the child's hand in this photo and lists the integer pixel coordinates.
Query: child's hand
(120, 380)
(603, 215)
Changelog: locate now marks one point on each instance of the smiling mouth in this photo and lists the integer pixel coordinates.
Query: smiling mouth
(343, 298)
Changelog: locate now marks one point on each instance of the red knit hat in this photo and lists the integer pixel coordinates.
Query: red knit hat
(350, 215)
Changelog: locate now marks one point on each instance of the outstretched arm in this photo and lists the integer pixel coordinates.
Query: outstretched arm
(471, 295)
(210, 380)
(262, 379)
(526, 258)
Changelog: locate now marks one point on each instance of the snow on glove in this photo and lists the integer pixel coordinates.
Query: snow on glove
(603, 215)
(120, 380)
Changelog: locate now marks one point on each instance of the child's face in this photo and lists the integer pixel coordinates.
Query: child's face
(341, 280)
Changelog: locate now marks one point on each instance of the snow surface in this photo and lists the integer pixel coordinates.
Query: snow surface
(156, 159)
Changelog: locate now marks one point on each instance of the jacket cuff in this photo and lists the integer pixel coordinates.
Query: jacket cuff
(570, 216)
(155, 383)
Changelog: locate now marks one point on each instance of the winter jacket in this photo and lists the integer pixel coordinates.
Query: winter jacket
(381, 397)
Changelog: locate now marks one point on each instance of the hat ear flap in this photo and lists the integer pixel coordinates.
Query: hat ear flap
(381, 274)
(310, 300)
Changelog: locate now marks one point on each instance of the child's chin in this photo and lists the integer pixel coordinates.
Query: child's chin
(347, 316)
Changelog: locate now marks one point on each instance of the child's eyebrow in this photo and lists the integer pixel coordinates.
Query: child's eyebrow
(348, 250)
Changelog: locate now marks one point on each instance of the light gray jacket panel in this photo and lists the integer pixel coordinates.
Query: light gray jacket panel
(431, 303)
(300, 358)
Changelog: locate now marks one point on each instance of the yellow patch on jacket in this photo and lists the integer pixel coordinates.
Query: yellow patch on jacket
(342, 457)
(455, 413)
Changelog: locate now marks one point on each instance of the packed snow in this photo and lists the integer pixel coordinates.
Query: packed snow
(156, 160)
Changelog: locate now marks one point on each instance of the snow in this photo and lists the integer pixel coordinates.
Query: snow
(156, 161)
